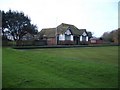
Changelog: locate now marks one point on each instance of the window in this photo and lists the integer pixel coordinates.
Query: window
(61, 37)
(67, 37)
(83, 38)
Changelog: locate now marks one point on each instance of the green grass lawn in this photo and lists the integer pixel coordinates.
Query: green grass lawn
(90, 67)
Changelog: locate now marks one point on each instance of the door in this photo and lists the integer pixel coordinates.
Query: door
(76, 40)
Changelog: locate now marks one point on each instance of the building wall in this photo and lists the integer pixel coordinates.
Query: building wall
(83, 38)
(62, 37)
(94, 41)
(68, 38)
(51, 41)
(68, 32)
(66, 42)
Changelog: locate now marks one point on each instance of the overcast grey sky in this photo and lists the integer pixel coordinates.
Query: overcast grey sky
(97, 16)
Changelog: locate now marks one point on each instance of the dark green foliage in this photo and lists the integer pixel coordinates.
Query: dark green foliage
(17, 24)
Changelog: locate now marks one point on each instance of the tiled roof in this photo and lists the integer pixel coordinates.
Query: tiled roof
(62, 28)
(47, 32)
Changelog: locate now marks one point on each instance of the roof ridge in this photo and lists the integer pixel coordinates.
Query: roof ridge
(67, 24)
(48, 28)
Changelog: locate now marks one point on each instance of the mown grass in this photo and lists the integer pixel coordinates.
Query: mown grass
(90, 67)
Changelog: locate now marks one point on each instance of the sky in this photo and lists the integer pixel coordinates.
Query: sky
(97, 16)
